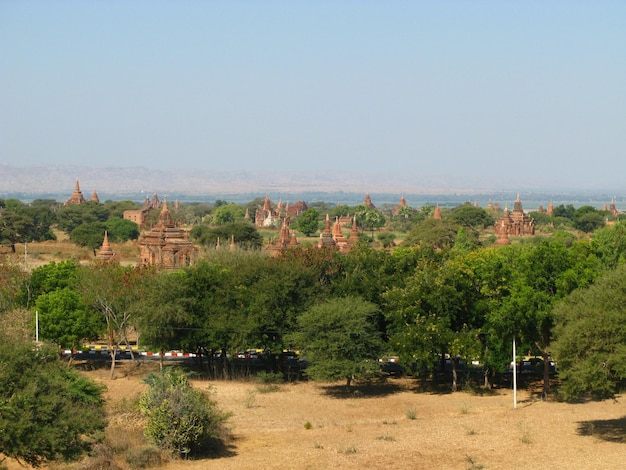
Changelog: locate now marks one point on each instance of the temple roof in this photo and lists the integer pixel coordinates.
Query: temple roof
(77, 196)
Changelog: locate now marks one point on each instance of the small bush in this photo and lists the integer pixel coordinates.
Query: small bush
(181, 419)
(144, 457)
(101, 458)
(411, 413)
(268, 388)
(270, 377)
(473, 465)
(250, 401)
(308, 425)
(349, 450)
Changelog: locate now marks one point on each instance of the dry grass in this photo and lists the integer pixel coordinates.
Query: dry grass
(38, 254)
(316, 426)
(310, 425)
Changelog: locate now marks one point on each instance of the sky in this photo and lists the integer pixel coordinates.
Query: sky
(486, 91)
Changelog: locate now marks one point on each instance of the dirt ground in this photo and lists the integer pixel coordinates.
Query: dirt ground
(394, 425)
(449, 431)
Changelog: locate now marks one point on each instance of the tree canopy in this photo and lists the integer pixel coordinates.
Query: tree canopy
(340, 339)
(48, 411)
(590, 344)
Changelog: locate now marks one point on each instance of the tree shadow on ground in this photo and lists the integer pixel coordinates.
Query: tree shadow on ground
(390, 386)
(218, 448)
(611, 430)
(442, 385)
(365, 389)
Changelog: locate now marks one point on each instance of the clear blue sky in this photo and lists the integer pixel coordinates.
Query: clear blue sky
(523, 90)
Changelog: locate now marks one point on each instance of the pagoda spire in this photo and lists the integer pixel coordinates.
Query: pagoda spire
(105, 251)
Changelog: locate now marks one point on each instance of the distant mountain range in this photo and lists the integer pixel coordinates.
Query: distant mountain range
(137, 183)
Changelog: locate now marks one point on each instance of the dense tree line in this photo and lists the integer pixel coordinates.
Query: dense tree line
(444, 292)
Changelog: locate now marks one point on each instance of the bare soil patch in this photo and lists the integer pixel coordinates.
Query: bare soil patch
(395, 425)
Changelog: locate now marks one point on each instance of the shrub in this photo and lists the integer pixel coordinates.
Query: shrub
(270, 377)
(181, 419)
(144, 457)
(39, 396)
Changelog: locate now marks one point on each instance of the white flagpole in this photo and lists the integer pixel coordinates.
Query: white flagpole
(514, 376)
(37, 326)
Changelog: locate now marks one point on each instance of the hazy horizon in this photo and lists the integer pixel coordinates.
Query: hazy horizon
(117, 183)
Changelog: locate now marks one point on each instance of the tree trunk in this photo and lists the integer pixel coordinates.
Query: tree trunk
(454, 377)
(545, 339)
(225, 370)
(546, 375)
(112, 354)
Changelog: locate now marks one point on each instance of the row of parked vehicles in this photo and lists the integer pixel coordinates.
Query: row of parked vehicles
(527, 365)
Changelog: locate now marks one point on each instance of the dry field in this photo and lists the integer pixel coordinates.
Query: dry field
(394, 425)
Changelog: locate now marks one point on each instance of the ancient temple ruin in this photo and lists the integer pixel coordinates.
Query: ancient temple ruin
(516, 223)
(166, 245)
(105, 253)
(77, 195)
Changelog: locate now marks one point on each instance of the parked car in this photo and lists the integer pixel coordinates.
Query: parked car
(532, 365)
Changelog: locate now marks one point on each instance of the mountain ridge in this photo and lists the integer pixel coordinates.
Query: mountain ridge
(137, 183)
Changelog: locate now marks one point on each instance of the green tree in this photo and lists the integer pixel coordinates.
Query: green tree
(71, 216)
(438, 312)
(90, 235)
(326, 263)
(65, 320)
(121, 230)
(466, 239)
(271, 293)
(590, 344)
(588, 219)
(340, 339)
(432, 233)
(366, 273)
(609, 244)
(542, 220)
(369, 219)
(12, 282)
(112, 290)
(48, 411)
(228, 214)
(20, 223)
(308, 222)
(48, 278)
(539, 277)
(199, 309)
(566, 212)
(181, 419)
(169, 315)
(468, 215)
(117, 208)
(405, 218)
(386, 239)
(246, 235)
